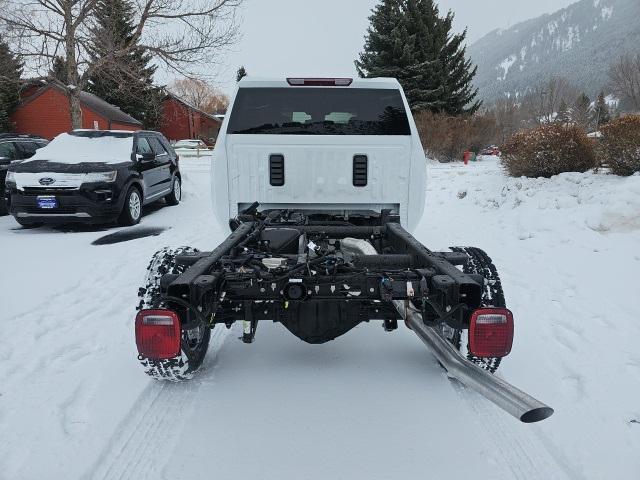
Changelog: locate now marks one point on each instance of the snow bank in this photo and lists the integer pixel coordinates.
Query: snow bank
(74, 149)
(601, 202)
(568, 252)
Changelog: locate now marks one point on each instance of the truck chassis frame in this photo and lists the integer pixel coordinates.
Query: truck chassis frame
(320, 277)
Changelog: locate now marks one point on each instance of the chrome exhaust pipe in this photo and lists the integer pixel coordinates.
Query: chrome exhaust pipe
(512, 400)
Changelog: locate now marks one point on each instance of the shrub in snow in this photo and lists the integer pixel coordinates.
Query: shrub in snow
(620, 145)
(445, 137)
(548, 150)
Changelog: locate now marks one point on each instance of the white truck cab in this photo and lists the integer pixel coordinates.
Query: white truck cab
(340, 147)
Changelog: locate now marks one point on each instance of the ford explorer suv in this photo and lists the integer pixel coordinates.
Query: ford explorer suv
(94, 176)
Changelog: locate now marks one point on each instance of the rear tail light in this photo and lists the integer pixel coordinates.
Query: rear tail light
(491, 332)
(320, 82)
(158, 334)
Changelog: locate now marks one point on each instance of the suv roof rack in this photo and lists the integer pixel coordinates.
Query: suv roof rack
(19, 135)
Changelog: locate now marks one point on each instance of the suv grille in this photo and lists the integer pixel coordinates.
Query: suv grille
(50, 191)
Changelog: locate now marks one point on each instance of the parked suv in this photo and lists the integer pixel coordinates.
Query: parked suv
(94, 176)
(14, 148)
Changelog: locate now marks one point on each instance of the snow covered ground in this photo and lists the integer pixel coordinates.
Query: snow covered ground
(75, 405)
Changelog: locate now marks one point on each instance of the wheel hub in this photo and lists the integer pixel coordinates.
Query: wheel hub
(134, 205)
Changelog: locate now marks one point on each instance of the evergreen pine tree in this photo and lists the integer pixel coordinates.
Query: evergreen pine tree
(58, 70)
(581, 112)
(125, 82)
(600, 114)
(10, 72)
(241, 74)
(410, 41)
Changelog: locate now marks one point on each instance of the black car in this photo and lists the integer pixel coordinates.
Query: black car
(94, 176)
(15, 148)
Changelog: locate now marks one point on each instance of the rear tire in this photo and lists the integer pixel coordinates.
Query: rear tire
(132, 208)
(195, 341)
(492, 296)
(176, 192)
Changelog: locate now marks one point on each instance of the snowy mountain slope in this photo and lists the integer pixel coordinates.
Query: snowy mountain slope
(75, 405)
(578, 42)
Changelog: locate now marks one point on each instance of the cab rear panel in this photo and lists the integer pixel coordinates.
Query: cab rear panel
(340, 150)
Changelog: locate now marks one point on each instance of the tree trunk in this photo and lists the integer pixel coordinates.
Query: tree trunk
(73, 88)
(74, 106)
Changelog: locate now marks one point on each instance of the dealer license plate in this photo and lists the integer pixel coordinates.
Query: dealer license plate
(47, 202)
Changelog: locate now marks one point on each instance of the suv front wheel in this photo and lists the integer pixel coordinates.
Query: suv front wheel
(132, 209)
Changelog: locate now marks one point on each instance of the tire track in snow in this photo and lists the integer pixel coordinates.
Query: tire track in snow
(142, 442)
(525, 451)
(48, 326)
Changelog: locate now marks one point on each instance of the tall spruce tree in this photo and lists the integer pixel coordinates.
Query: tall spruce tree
(410, 41)
(10, 73)
(126, 82)
(600, 114)
(58, 70)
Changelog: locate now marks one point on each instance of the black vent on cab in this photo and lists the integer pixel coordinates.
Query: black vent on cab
(360, 163)
(276, 170)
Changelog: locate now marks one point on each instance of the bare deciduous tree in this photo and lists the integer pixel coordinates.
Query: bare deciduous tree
(445, 138)
(200, 94)
(542, 104)
(507, 114)
(180, 34)
(624, 76)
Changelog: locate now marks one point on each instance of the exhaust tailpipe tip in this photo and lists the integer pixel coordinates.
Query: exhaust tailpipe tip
(536, 415)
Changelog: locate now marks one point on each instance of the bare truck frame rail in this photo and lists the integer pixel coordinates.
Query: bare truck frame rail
(322, 277)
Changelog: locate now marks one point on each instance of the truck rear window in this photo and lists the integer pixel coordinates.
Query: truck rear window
(318, 111)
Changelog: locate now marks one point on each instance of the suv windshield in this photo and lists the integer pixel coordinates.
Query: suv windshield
(318, 111)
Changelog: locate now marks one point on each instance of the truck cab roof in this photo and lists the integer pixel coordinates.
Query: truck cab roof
(340, 82)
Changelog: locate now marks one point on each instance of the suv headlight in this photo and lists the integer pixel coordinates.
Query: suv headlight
(11, 178)
(107, 177)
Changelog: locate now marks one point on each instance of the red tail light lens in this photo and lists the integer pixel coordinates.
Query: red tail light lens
(158, 334)
(320, 82)
(491, 332)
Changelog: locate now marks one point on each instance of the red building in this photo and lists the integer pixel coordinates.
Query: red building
(182, 121)
(45, 111)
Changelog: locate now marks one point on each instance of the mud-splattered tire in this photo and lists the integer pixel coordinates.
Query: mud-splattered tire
(492, 296)
(195, 342)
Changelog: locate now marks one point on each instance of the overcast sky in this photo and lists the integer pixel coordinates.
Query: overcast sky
(323, 37)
